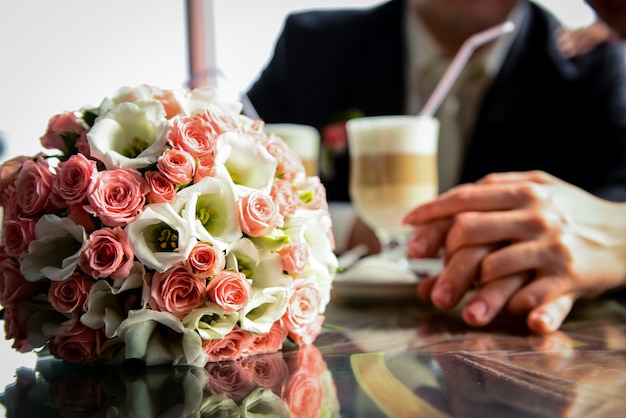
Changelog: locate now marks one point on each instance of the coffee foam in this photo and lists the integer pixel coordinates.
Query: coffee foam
(395, 134)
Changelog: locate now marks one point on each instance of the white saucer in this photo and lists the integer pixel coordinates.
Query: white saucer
(376, 279)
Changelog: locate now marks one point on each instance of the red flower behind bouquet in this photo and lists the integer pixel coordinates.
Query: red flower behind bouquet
(335, 140)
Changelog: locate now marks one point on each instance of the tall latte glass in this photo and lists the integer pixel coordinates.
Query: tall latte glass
(393, 168)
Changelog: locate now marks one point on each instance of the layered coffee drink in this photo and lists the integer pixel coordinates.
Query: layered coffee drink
(384, 187)
(393, 168)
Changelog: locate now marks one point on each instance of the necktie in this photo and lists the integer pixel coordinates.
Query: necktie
(456, 113)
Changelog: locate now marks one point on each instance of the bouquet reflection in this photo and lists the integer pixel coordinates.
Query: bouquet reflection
(293, 384)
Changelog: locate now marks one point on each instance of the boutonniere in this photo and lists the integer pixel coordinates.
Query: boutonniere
(335, 140)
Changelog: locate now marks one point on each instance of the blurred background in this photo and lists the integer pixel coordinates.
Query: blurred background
(58, 55)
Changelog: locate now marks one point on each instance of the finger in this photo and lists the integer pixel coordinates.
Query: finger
(549, 316)
(427, 239)
(524, 256)
(473, 198)
(491, 299)
(538, 291)
(477, 228)
(460, 271)
(425, 288)
(555, 341)
(534, 176)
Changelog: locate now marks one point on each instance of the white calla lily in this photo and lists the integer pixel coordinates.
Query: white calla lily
(265, 307)
(160, 237)
(142, 333)
(323, 279)
(103, 309)
(210, 321)
(221, 403)
(129, 134)
(313, 228)
(262, 402)
(249, 163)
(104, 306)
(263, 268)
(198, 99)
(55, 251)
(210, 207)
(132, 94)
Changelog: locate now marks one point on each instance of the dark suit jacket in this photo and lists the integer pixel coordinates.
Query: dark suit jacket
(542, 111)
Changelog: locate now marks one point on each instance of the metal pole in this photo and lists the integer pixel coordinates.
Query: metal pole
(201, 43)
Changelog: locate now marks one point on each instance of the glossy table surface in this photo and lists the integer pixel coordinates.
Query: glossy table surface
(399, 359)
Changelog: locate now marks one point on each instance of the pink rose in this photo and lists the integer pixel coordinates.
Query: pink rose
(71, 183)
(80, 216)
(33, 186)
(117, 196)
(268, 371)
(269, 342)
(231, 347)
(78, 394)
(258, 214)
(9, 171)
(82, 145)
(161, 188)
(8, 200)
(168, 100)
(107, 254)
(230, 290)
(205, 260)
(317, 192)
(228, 378)
(205, 167)
(15, 329)
(176, 291)
(17, 234)
(218, 120)
(77, 344)
(195, 136)
(70, 295)
(286, 196)
(62, 133)
(302, 318)
(288, 163)
(14, 288)
(295, 257)
(307, 358)
(304, 395)
(177, 165)
(303, 392)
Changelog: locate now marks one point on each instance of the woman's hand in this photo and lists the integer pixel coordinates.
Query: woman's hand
(531, 243)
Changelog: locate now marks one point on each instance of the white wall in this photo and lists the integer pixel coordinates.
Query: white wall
(58, 55)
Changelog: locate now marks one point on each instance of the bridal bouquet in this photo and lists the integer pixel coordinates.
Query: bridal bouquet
(166, 227)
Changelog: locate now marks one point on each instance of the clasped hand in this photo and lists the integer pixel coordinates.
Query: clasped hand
(527, 242)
